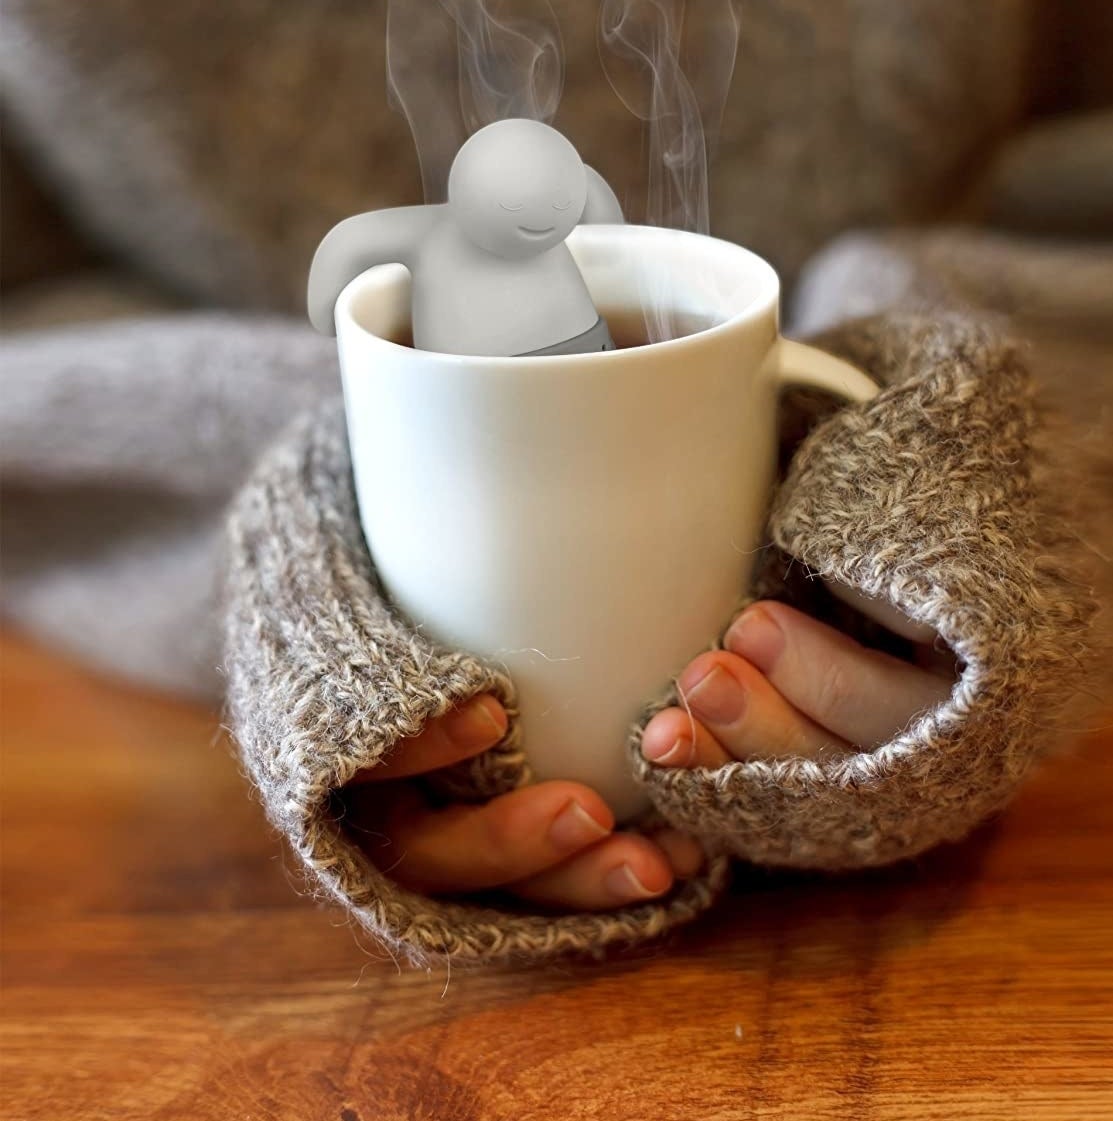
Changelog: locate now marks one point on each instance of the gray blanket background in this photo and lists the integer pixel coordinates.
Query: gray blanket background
(168, 170)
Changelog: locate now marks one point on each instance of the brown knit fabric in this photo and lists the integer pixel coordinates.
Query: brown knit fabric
(324, 680)
(923, 497)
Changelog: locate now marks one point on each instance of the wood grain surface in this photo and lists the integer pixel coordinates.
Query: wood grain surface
(160, 963)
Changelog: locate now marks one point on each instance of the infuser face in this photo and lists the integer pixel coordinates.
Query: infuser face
(517, 188)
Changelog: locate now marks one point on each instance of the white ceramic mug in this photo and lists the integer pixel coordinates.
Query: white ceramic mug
(589, 521)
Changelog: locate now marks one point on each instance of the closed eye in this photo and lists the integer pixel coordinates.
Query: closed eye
(558, 206)
(505, 206)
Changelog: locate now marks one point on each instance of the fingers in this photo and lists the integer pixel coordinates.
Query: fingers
(735, 713)
(684, 854)
(459, 734)
(550, 844)
(787, 685)
(471, 847)
(675, 738)
(862, 696)
(626, 868)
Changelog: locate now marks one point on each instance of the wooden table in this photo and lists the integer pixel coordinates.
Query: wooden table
(159, 964)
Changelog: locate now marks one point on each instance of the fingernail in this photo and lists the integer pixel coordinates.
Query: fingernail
(667, 754)
(717, 697)
(574, 827)
(473, 725)
(624, 885)
(756, 636)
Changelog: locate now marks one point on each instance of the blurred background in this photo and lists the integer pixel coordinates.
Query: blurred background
(209, 144)
(169, 169)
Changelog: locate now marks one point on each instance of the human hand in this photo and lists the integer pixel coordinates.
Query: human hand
(787, 685)
(551, 843)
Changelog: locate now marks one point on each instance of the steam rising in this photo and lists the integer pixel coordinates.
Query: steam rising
(491, 58)
(644, 45)
(454, 66)
(671, 63)
(421, 84)
(511, 62)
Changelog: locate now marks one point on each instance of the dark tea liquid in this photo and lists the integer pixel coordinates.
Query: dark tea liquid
(628, 329)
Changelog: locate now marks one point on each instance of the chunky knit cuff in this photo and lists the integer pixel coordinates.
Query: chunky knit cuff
(932, 497)
(324, 679)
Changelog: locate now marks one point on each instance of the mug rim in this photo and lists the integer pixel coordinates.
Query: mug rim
(765, 301)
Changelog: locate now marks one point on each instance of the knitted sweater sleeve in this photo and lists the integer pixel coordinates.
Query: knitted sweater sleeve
(324, 680)
(939, 498)
(930, 497)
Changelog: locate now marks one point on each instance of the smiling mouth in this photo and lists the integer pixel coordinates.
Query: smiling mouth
(537, 233)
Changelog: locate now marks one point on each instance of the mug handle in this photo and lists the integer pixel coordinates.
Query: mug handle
(797, 364)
